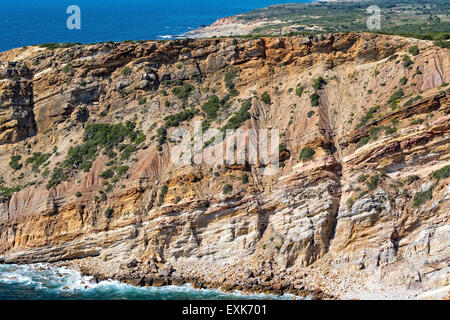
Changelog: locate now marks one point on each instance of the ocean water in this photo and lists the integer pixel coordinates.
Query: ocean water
(43, 282)
(28, 22)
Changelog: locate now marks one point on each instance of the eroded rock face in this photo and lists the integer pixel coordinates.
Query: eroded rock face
(366, 206)
(16, 104)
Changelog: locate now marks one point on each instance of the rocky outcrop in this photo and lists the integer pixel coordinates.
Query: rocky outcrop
(358, 208)
(16, 104)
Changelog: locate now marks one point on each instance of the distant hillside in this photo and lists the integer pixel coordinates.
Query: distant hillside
(428, 19)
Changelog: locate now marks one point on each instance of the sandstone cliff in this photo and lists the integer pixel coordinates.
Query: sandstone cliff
(359, 207)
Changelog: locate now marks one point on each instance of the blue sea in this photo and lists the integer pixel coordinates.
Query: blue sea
(44, 282)
(28, 22)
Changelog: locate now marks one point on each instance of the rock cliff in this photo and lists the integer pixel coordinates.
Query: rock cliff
(359, 207)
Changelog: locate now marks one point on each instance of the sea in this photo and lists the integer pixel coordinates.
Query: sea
(30, 22)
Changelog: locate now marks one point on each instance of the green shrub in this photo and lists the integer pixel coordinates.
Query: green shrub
(14, 163)
(395, 98)
(229, 78)
(310, 113)
(57, 176)
(369, 115)
(422, 197)
(103, 195)
(125, 71)
(78, 194)
(161, 133)
(403, 81)
(373, 182)
(239, 117)
(442, 173)
(412, 100)
(7, 192)
(128, 151)
(307, 154)
(52, 46)
(107, 174)
(363, 141)
(244, 178)
(162, 194)
(362, 178)
(211, 107)
(142, 101)
(389, 130)
(183, 91)
(417, 121)
(97, 137)
(109, 212)
(350, 203)
(299, 90)
(414, 50)
(314, 99)
(37, 159)
(265, 97)
(318, 83)
(407, 62)
(175, 119)
(227, 188)
(67, 67)
(374, 132)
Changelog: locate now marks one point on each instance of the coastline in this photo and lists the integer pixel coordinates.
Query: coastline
(43, 280)
(232, 26)
(317, 283)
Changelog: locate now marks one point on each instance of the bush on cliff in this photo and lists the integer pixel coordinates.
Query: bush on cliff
(422, 197)
(265, 97)
(109, 212)
(407, 62)
(97, 137)
(307, 154)
(239, 117)
(299, 90)
(227, 188)
(37, 159)
(395, 98)
(107, 174)
(318, 83)
(183, 91)
(162, 194)
(442, 173)
(14, 163)
(314, 99)
(211, 107)
(175, 119)
(414, 50)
